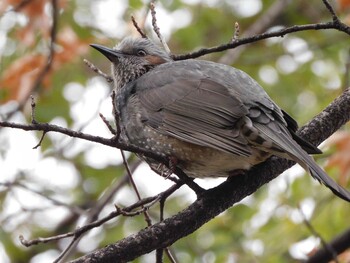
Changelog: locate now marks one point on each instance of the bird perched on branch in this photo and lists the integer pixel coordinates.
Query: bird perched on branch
(212, 119)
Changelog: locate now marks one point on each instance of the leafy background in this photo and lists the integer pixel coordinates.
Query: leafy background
(303, 72)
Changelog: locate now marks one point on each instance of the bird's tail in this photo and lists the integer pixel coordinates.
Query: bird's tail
(309, 164)
(295, 152)
(319, 174)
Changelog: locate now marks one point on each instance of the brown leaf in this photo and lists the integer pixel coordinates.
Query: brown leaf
(343, 4)
(19, 78)
(341, 158)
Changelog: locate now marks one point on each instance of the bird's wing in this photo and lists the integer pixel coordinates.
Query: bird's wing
(198, 111)
(205, 112)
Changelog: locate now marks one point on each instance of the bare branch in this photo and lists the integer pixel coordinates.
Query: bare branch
(32, 104)
(143, 209)
(40, 141)
(143, 35)
(339, 244)
(93, 213)
(80, 231)
(116, 115)
(156, 28)
(113, 142)
(109, 126)
(98, 71)
(66, 250)
(316, 234)
(235, 32)
(126, 165)
(279, 33)
(331, 10)
(73, 209)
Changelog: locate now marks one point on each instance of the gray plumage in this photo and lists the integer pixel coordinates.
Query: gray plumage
(212, 118)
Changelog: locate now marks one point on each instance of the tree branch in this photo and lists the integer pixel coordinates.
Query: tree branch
(214, 201)
(259, 26)
(279, 33)
(339, 244)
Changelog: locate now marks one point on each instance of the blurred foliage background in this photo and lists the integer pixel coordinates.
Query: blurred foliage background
(53, 189)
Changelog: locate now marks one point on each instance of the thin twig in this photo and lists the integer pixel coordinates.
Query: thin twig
(109, 79)
(143, 35)
(109, 126)
(73, 209)
(116, 115)
(316, 234)
(334, 24)
(40, 141)
(126, 165)
(32, 104)
(160, 251)
(156, 28)
(81, 230)
(189, 181)
(340, 244)
(331, 10)
(143, 208)
(112, 142)
(93, 213)
(66, 250)
(236, 32)
(279, 33)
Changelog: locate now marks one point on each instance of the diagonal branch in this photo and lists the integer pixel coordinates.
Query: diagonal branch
(214, 201)
(339, 244)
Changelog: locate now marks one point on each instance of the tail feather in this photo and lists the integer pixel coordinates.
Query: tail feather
(309, 164)
(320, 175)
(296, 153)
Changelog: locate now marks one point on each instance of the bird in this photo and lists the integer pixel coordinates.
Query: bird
(211, 119)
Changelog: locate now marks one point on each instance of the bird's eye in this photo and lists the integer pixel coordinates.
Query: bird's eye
(141, 53)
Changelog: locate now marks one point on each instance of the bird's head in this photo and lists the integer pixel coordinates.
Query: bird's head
(132, 58)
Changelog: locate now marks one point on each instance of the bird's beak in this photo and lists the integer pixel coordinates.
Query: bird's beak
(109, 53)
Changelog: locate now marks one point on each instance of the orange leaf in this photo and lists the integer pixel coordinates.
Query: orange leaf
(341, 158)
(343, 4)
(19, 78)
